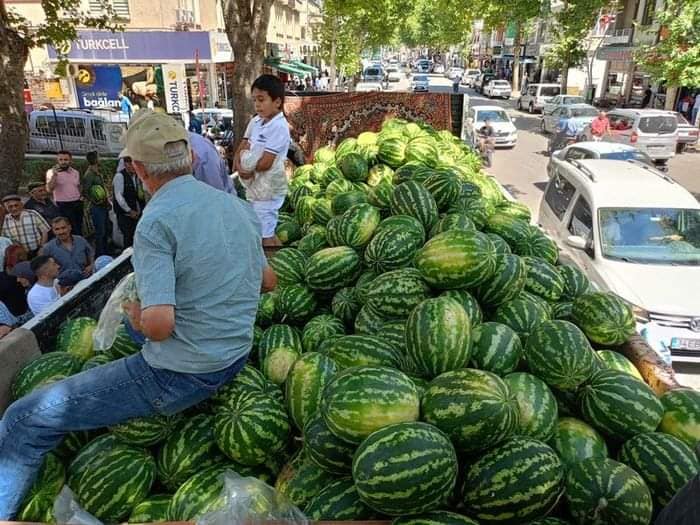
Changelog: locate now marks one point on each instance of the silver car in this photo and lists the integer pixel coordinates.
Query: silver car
(582, 115)
(420, 83)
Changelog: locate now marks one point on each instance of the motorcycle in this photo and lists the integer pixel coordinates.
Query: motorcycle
(557, 142)
(486, 148)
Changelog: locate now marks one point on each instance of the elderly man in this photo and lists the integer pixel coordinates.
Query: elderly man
(129, 200)
(24, 227)
(71, 252)
(198, 320)
(39, 201)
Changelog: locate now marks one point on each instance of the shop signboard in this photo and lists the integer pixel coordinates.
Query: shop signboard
(615, 53)
(175, 88)
(98, 86)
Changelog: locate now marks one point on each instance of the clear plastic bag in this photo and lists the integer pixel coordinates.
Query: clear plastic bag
(66, 510)
(250, 158)
(113, 313)
(249, 500)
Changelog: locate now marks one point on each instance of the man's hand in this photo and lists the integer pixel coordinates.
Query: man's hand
(246, 175)
(89, 269)
(132, 309)
(4, 330)
(269, 280)
(134, 214)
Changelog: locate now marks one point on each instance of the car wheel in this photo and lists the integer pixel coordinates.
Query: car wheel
(531, 108)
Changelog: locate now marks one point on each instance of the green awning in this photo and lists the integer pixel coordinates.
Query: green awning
(285, 67)
(304, 67)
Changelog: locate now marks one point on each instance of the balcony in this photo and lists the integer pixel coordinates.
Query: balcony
(618, 36)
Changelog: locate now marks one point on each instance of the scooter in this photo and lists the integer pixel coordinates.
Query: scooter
(487, 149)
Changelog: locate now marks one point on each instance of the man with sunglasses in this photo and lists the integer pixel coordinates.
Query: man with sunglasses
(129, 200)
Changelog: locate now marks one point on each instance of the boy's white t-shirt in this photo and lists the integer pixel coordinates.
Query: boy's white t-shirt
(40, 297)
(273, 137)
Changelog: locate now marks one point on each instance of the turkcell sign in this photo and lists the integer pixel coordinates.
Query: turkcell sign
(98, 86)
(175, 88)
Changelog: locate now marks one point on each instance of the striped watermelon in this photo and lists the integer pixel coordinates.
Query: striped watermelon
(617, 361)
(456, 259)
(604, 317)
(422, 149)
(346, 146)
(402, 222)
(338, 186)
(411, 198)
(561, 310)
(277, 363)
(522, 315)
(251, 428)
(38, 502)
(318, 329)
(267, 309)
(436, 517)
(380, 173)
(453, 221)
(329, 452)
(313, 241)
(438, 337)
(444, 189)
(368, 321)
(665, 463)
(363, 350)
(301, 480)
(575, 441)
(305, 383)
(123, 345)
(619, 405)
(345, 305)
(394, 332)
(75, 337)
(249, 378)
(392, 479)
(513, 231)
(543, 279)
(46, 369)
(395, 294)
(559, 354)
(416, 171)
(363, 399)
(153, 509)
(538, 245)
(612, 492)
(474, 207)
(339, 501)
(506, 282)
(393, 248)
(145, 431)
(332, 268)
(470, 305)
(369, 152)
(475, 408)
(303, 212)
(289, 265)
(515, 209)
(537, 405)
(392, 151)
(575, 282)
(354, 166)
(200, 494)
(380, 195)
(344, 201)
(682, 415)
(321, 211)
(324, 155)
(278, 336)
(364, 284)
(515, 482)
(296, 303)
(113, 480)
(357, 225)
(288, 231)
(495, 348)
(502, 247)
(333, 237)
(98, 359)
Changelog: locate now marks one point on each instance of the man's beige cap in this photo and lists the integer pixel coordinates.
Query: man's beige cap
(148, 133)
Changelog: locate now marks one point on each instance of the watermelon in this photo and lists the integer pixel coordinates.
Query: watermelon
(470, 305)
(369, 153)
(278, 336)
(277, 362)
(402, 222)
(682, 415)
(559, 353)
(438, 337)
(251, 427)
(536, 403)
(506, 282)
(537, 244)
(413, 170)
(395, 294)
(348, 145)
(611, 492)
(325, 155)
(332, 268)
(522, 315)
(306, 380)
(422, 149)
(517, 481)
(495, 348)
(200, 494)
(412, 198)
(392, 151)
(357, 225)
(364, 284)
(392, 479)
(318, 329)
(145, 431)
(296, 303)
(444, 189)
(452, 221)
(288, 231)
(333, 237)
(297, 192)
(617, 361)
(301, 480)
(339, 501)
(513, 231)
(72, 443)
(618, 405)
(97, 193)
(75, 337)
(543, 279)
(313, 241)
(381, 173)
(304, 210)
(502, 247)
(456, 259)
(360, 400)
(604, 317)
(575, 441)
(47, 368)
(97, 360)
(345, 305)
(561, 310)
(321, 211)
(338, 186)
(393, 248)
(329, 452)
(475, 408)
(665, 463)
(474, 207)
(267, 309)
(515, 209)
(368, 322)
(289, 265)
(123, 345)
(344, 201)
(380, 195)
(38, 502)
(153, 509)
(575, 282)
(436, 517)
(361, 350)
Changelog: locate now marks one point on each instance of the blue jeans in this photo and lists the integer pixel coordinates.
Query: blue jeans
(100, 397)
(100, 219)
(694, 115)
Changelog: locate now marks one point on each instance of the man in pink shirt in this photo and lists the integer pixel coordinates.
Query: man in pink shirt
(64, 182)
(600, 126)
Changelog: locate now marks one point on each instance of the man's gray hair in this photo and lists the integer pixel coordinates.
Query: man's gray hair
(179, 161)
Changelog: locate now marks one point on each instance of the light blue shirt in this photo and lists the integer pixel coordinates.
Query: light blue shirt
(200, 250)
(6, 316)
(208, 166)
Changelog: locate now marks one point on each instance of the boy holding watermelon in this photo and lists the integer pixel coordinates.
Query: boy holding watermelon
(94, 193)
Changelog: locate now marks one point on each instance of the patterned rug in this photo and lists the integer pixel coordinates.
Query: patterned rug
(322, 120)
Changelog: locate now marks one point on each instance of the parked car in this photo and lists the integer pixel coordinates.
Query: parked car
(598, 150)
(368, 86)
(535, 96)
(373, 74)
(420, 83)
(634, 232)
(497, 88)
(455, 72)
(483, 81)
(653, 131)
(393, 73)
(423, 66)
(562, 100)
(469, 76)
(582, 115)
(438, 69)
(506, 134)
(687, 133)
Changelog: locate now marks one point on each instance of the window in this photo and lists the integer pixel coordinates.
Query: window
(532, 91)
(71, 126)
(121, 7)
(44, 127)
(581, 222)
(578, 153)
(658, 124)
(97, 130)
(559, 194)
(648, 15)
(549, 91)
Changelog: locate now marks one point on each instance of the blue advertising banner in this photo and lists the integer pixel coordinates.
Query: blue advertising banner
(137, 46)
(98, 86)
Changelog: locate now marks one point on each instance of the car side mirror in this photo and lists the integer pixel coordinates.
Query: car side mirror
(576, 241)
(512, 119)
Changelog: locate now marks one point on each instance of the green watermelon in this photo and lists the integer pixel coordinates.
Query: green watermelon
(393, 479)
(665, 463)
(306, 380)
(360, 400)
(474, 207)
(368, 321)
(363, 350)
(296, 303)
(97, 193)
(561, 310)
(514, 231)
(289, 265)
(422, 149)
(575, 441)
(502, 247)
(304, 210)
(392, 151)
(97, 360)
(393, 248)
(619, 405)
(249, 378)
(339, 501)
(413, 170)
(456, 259)
(324, 155)
(329, 452)
(345, 305)
(201, 493)
(517, 481)
(604, 317)
(321, 211)
(402, 222)
(267, 309)
(277, 363)
(506, 282)
(682, 415)
(381, 173)
(515, 209)
(438, 337)
(145, 431)
(575, 282)
(301, 480)
(537, 405)
(348, 145)
(522, 315)
(444, 189)
(475, 408)
(318, 329)
(470, 305)
(38, 502)
(453, 221)
(332, 268)
(364, 284)
(357, 225)
(278, 336)
(338, 186)
(123, 345)
(46, 369)
(153, 509)
(412, 198)
(612, 492)
(543, 279)
(288, 231)
(313, 241)
(436, 517)
(617, 361)
(537, 244)
(380, 195)
(344, 201)
(395, 294)
(495, 348)
(354, 167)
(75, 337)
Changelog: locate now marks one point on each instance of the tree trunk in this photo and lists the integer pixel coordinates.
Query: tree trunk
(333, 54)
(246, 27)
(516, 58)
(564, 77)
(13, 124)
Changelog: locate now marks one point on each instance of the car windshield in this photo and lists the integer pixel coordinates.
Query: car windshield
(420, 78)
(549, 91)
(631, 154)
(501, 83)
(493, 115)
(651, 235)
(574, 100)
(373, 72)
(682, 121)
(584, 112)
(658, 124)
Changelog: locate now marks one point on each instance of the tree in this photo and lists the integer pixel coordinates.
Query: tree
(246, 24)
(436, 24)
(17, 37)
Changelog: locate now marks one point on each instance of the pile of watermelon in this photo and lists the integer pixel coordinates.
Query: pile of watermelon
(424, 359)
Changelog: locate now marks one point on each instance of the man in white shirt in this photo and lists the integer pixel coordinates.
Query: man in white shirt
(129, 200)
(696, 110)
(44, 291)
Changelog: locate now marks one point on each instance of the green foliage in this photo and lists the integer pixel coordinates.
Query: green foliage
(35, 169)
(436, 24)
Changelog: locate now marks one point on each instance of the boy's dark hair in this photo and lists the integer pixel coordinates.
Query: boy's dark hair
(91, 157)
(65, 152)
(272, 85)
(38, 262)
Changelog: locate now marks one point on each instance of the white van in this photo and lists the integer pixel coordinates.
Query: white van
(77, 130)
(535, 96)
(373, 74)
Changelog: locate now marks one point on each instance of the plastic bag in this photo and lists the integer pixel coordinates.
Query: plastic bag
(250, 158)
(66, 510)
(249, 500)
(112, 314)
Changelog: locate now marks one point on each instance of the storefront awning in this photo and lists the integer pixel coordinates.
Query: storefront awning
(285, 67)
(304, 67)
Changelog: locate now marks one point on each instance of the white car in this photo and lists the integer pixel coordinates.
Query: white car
(455, 72)
(562, 100)
(393, 73)
(497, 88)
(420, 83)
(634, 232)
(506, 134)
(469, 76)
(438, 69)
(368, 86)
(598, 150)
